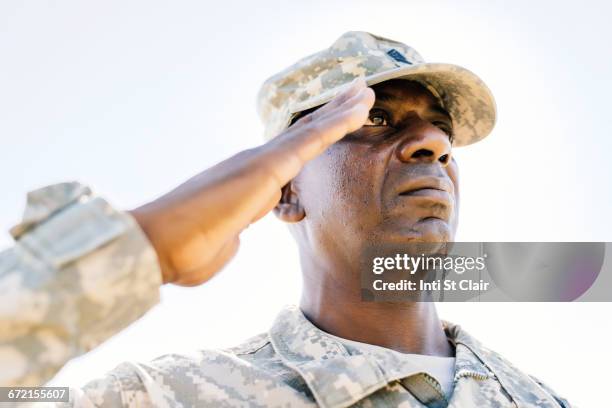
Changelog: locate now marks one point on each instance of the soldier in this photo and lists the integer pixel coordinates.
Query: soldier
(80, 270)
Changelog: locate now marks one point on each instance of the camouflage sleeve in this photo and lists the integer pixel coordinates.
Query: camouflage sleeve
(78, 273)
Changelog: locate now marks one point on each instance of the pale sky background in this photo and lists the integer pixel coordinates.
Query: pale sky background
(133, 97)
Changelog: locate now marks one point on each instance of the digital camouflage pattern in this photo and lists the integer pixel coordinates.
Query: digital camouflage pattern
(78, 273)
(297, 365)
(316, 79)
(81, 271)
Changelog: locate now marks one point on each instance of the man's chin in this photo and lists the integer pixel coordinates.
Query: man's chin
(433, 229)
(430, 229)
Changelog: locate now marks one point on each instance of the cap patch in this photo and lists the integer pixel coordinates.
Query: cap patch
(396, 55)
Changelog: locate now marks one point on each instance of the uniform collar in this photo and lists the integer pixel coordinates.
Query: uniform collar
(338, 378)
(469, 362)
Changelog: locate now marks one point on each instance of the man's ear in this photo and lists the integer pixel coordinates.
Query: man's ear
(289, 208)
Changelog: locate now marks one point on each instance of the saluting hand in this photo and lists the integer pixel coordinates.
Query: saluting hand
(195, 228)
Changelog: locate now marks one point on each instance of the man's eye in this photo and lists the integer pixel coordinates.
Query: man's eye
(377, 118)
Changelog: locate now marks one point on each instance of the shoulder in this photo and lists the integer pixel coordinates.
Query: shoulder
(560, 400)
(209, 361)
(251, 345)
(519, 384)
(203, 375)
(524, 389)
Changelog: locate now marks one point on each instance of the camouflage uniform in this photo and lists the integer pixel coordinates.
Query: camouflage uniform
(78, 273)
(81, 271)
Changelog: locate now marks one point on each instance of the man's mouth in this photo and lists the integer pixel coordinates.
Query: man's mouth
(426, 198)
(434, 187)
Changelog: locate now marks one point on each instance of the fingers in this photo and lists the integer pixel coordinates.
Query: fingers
(359, 98)
(351, 90)
(291, 150)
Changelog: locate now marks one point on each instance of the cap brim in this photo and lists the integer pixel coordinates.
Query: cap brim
(465, 96)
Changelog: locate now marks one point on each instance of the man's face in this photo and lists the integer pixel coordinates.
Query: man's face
(391, 182)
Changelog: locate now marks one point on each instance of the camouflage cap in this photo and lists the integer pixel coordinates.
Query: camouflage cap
(316, 79)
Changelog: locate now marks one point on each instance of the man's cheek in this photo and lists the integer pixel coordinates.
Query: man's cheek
(351, 171)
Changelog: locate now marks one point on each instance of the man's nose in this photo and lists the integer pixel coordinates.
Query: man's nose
(425, 144)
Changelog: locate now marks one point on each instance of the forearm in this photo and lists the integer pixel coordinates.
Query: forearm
(78, 273)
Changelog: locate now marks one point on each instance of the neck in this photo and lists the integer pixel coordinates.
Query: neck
(410, 327)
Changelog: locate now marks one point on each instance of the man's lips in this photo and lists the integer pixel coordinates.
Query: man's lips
(426, 187)
(429, 193)
(425, 198)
